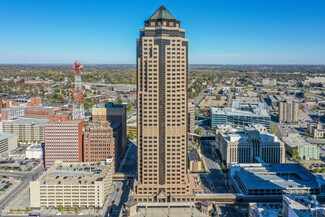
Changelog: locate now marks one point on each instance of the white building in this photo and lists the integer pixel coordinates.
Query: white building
(301, 206)
(34, 151)
(243, 145)
(269, 82)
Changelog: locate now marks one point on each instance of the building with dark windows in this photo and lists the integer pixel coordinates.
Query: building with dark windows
(117, 113)
(162, 67)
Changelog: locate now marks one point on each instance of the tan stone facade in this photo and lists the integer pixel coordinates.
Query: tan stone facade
(288, 111)
(162, 67)
(73, 184)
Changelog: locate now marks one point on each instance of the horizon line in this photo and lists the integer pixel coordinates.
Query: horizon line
(208, 64)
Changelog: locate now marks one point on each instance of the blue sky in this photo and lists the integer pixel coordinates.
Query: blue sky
(219, 31)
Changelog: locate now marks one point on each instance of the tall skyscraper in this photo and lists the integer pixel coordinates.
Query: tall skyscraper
(162, 67)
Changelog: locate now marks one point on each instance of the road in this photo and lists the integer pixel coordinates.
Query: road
(278, 130)
(25, 179)
(119, 197)
(199, 98)
(215, 178)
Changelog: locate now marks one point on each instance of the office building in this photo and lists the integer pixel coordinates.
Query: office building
(63, 141)
(245, 144)
(117, 113)
(302, 206)
(27, 129)
(240, 117)
(39, 111)
(8, 142)
(267, 82)
(191, 117)
(261, 182)
(99, 112)
(13, 112)
(73, 184)
(317, 130)
(162, 67)
(101, 140)
(306, 151)
(288, 111)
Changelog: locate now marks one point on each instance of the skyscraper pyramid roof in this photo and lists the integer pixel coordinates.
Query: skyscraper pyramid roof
(162, 13)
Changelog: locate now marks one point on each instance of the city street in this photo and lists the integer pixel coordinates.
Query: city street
(25, 179)
(121, 189)
(214, 178)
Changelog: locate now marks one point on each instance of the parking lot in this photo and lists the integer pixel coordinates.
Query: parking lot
(5, 185)
(18, 165)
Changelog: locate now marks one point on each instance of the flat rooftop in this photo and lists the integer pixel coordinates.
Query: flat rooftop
(303, 204)
(5, 136)
(295, 140)
(240, 136)
(162, 212)
(73, 173)
(238, 112)
(276, 176)
(193, 155)
(266, 209)
(244, 99)
(28, 121)
(65, 122)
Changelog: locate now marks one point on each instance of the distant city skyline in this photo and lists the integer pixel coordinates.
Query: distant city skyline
(104, 32)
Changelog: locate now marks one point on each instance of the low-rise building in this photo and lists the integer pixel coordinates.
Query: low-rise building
(27, 129)
(265, 209)
(11, 113)
(34, 151)
(39, 111)
(8, 142)
(309, 95)
(73, 184)
(243, 145)
(194, 160)
(305, 150)
(261, 182)
(239, 118)
(317, 130)
(267, 82)
(302, 206)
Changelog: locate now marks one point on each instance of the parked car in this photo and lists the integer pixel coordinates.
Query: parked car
(58, 213)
